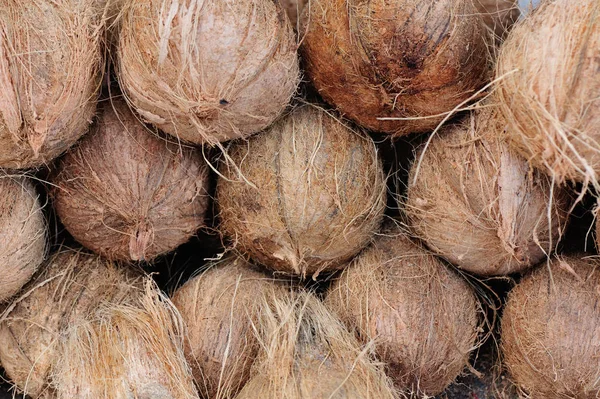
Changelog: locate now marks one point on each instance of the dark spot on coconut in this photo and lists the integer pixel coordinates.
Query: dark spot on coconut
(224, 102)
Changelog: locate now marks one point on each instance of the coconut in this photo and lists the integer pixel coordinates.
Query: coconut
(85, 328)
(128, 194)
(50, 71)
(498, 15)
(304, 196)
(410, 60)
(294, 8)
(475, 202)
(220, 308)
(422, 316)
(207, 71)
(307, 353)
(551, 330)
(22, 233)
(549, 89)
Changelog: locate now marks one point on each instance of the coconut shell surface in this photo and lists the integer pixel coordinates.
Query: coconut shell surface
(220, 309)
(50, 70)
(422, 316)
(128, 194)
(22, 234)
(551, 330)
(207, 71)
(550, 89)
(304, 196)
(476, 202)
(308, 354)
(409, 59)
(499, 15)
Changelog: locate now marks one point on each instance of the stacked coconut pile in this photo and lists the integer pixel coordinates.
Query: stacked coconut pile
(132, 130)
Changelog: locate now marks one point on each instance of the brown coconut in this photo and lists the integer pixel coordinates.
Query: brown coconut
(412, 60)
(126, 193)
(220, 309)
(22, 234)
(86, 328)
(499, 15)
(549, 89)
(207, 71)
(50, 71)
(304, 196)
(422, 316)
(308, 354)
(475, 202)
(551, 330)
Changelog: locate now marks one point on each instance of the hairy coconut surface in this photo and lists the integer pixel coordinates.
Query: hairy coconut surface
(422, 316)
(499, 15)
(207, 71)
(22, 234)
(307, 353)
(551, 330)
(220, 308)
(304, 196)
(476, 202)
(550, 89)
(50, 70)
(409, 59)
(128, 194)
(294, 8)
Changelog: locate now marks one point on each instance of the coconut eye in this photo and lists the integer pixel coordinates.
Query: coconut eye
(224, 102)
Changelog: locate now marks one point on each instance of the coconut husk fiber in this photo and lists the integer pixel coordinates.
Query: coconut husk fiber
(477, 203)
(549, 89)
(22, 234)
(85, 328)
(421, 315)
(220, 309)
(551, 330)
(411, 60)
(126, 193)
(307, 353)
(50, 70)
(499, 15)
(304, 196)
(207, 71)
(294, 8)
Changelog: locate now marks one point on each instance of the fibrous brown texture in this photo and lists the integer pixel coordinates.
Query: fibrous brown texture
(549, 90)
(128, 194)
(551, 330)
(307, 353)
(410, 59)
(476, 202)
(220, 308)
(207, 71)
(304, 196)
(50, 69)
(22, 234)
(498, 15)
(422, 316)
(294, 8)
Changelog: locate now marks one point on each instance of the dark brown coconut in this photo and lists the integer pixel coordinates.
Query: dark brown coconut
(549, 90)
(207, 71)
(308, 354)
(50, 69)
(401, 59)
(220, 309)
(551, 330)
(304, 196)
(499, 15)
(22, 234)
(475, 202)
(128, 194)
(422, 316)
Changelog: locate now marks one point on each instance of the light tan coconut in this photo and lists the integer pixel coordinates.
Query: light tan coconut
(126, 193)
(86, 328)
(22, 234)
(549, 89)
(207, 71)
(499, 15)
(306, 353)
(221, 308)
(50, 71)
(551, 330)
(476, 202)
(422, 316)
(304, 196)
